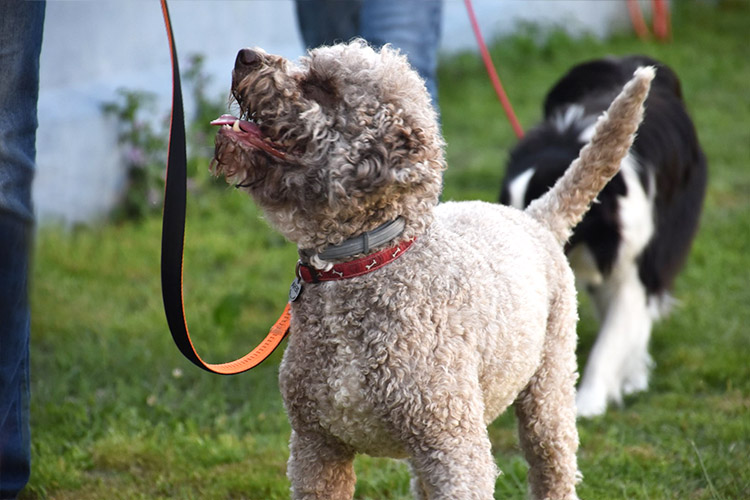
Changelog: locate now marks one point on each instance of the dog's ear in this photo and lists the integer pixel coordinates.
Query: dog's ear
(416, 157)
(401, 159)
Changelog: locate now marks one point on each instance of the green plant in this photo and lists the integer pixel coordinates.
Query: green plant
(142, 140)
(142, 137)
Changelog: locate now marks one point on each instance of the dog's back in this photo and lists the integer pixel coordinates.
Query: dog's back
(596, 83)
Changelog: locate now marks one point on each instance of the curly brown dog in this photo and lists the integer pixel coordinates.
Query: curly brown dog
(417, 323)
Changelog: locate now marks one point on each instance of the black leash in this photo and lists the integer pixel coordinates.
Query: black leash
(173, 241)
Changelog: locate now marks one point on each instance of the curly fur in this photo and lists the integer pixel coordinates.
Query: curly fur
(415, 359)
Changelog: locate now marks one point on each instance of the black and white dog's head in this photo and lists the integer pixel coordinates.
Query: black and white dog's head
(633, 242)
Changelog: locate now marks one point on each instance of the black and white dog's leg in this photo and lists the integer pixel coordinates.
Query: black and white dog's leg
(619, 362)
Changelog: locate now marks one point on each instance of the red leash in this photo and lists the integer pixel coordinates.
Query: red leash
(492, 72)
(662, 31)
(173, 241)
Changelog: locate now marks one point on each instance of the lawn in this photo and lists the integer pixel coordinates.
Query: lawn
(117, 413)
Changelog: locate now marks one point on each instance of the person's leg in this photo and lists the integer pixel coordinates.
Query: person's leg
(15, 446)
(413, 26)
(20, 45)
(325, 22)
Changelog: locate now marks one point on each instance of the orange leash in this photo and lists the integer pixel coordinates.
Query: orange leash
(173, 241)
(661, 20)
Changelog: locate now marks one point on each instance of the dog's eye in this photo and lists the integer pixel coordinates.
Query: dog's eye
(321, 91)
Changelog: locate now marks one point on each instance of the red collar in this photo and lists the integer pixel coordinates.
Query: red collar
(353, 268)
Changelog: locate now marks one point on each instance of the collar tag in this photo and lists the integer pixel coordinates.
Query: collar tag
(295, 289)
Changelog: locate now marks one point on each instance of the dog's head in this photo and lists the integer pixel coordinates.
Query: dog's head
(335, 145)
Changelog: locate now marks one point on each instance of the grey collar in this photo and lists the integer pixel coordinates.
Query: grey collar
(365, 241)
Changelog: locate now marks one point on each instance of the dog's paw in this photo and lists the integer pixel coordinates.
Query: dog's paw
(635, 383)
(638, 371)
(591, 402)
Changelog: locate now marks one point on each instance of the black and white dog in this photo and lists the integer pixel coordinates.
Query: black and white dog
(630, 246)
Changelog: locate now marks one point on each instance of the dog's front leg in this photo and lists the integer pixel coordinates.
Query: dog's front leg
(417, 486)
(456, 467)
(320, 468)
(446, 437)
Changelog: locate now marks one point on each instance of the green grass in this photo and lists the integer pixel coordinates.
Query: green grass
(118, 413)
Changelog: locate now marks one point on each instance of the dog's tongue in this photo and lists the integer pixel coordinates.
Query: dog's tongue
(249, 133)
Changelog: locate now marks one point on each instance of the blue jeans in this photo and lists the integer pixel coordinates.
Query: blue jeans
(413, 26)
(20, 44)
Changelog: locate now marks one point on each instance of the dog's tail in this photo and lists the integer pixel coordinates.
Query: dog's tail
(565, 204)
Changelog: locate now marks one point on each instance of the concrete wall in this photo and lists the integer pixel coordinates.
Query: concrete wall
(92, 48)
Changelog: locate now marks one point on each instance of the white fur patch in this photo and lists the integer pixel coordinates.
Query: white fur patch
(587, 133)
(619, 362)
(636, 212)
(661, 305)
(563, 120)
(518, 187)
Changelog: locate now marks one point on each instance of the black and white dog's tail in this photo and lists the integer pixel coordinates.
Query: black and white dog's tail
(565, 204)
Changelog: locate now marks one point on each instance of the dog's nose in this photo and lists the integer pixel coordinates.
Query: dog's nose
(247, 59)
